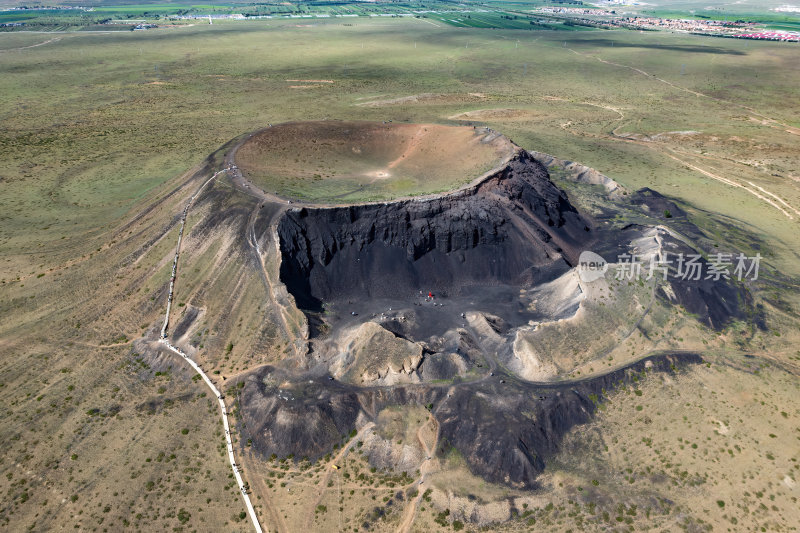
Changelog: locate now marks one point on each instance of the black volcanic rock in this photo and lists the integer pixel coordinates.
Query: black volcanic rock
(515, 228)
(715, 303)
(299, 420)
(305, 418)
(657, 204)
(504, 431)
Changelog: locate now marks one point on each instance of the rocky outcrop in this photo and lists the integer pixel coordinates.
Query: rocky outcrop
(507, 433)
(371, 355)
(498, 254)
(580, 173)
(305, 417)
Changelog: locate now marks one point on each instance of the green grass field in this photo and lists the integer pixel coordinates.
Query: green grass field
(93, 124)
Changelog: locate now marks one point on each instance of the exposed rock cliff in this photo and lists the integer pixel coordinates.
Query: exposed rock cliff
(512, 228)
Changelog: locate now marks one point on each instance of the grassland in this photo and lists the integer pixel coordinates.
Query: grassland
(98, 126)
(66, 133)
(709, 440)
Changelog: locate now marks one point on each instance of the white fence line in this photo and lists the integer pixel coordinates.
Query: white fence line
(229, 442)
(178, 251)
(163, 340)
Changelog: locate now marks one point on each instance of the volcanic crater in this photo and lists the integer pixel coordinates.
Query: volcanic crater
(447, 300)
(335, 162)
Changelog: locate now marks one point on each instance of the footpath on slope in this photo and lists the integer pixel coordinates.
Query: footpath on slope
(163, 340)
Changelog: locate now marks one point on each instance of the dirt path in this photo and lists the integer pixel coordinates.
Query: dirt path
(100, 346)
(178, 249)
(297, 343)
(425, 468)
(53, 40)
(228, 441)
(275, 514)
(768, 121)
(733, 183)
(779, 199)
(429, 22)
(756, 190)
(323, 483)
(759, 192)
(411, 148)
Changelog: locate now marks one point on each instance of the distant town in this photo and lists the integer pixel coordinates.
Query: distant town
(719, 28)
(605, 14)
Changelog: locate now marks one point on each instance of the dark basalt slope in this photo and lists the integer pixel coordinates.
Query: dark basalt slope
(505, 432)
(515, 228)
(287, 415)
(714, 302)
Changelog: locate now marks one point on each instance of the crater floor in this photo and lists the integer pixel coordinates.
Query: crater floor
(344, 162)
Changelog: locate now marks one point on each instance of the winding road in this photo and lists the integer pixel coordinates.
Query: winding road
(679, 156)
